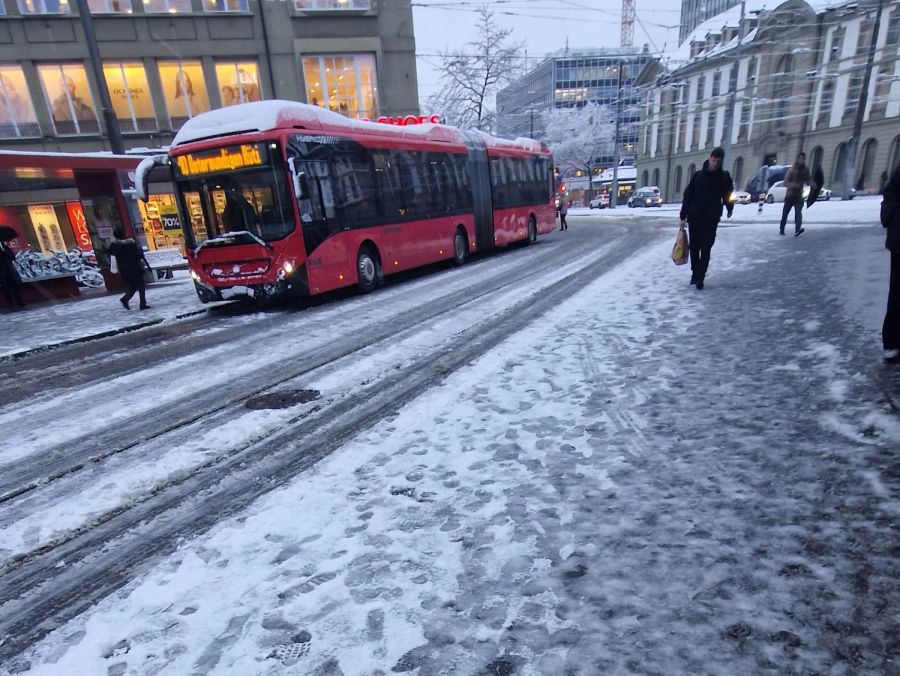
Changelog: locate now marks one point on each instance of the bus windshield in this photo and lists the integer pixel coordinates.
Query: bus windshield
(255, 201)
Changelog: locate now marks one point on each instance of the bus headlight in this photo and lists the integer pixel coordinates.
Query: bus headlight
(195, 276)
(288, 267)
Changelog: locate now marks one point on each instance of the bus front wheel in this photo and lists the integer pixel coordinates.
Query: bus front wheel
(368, 269)
(460, 247)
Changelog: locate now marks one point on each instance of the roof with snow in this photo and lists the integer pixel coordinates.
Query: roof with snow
(262, 116)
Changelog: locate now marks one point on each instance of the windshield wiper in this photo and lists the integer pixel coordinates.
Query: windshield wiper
(229, 237)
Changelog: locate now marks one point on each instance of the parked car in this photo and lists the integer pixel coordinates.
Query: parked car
(740, 197)
(645, 197)
(777, 192)
(776, 173)
(601, 201)
(576, 204)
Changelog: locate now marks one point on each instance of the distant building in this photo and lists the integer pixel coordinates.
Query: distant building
(797, 85)
(571, 79)
(695, 12)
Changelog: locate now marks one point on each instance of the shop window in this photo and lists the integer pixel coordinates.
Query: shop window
(17, 116)
(345, 84)
(110, 6)
(184, 88)
(69, 95)
(130, 96)
(311, 5)
(167, 6)
(162, 225)
(44, 7)
(238, 82)
(226, 5)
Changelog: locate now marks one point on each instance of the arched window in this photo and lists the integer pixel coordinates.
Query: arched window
(656, 177)
(894, 157)
(840, 166)
(866, 167)
(818, 155)
(644, 176)
(678, 180)
(692, 169)
(738, 176)
(784, 85)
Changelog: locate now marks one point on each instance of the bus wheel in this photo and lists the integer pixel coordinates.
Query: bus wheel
(368, 269)
(460, 247)
(532, 230)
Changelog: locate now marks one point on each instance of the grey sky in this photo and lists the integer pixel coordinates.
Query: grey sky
(543, 25)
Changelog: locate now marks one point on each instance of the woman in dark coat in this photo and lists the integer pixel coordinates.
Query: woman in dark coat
(131, 263)
(890, 219)
(9, 277)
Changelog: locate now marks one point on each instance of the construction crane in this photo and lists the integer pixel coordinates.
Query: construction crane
(627, 39)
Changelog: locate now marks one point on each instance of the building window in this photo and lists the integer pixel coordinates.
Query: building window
(818, 155)
(226, 6)
(853, 94)
(738, 172)
(751, 69)
(678, 180)
(17, 116)
(167, 6)
(656, 177)
(826, 103)
(343, 83)
(840, 165)
(313, 5)
(110, 6)
(695, 133)
(130, 96)
(238, 82)
(894, 159)
(865, 37)
(837, 42)
(69, 95)
(710, 129)
(44, 6)
(867, 165)
(185, 90)
(745, 121)
(882, 90)
(2, 9)
(893, 32)
(717, 84)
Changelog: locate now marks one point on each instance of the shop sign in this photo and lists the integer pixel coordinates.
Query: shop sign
(408, 120)
(223, 159)
(168, 216)
(46, 228)
(79, 226)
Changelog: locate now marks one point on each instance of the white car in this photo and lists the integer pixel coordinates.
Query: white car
(777, 192)
(740, 197)
(599, 202)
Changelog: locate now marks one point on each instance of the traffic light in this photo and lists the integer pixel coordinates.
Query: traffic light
(563, 189)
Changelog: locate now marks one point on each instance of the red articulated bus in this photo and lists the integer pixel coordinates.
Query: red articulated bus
(287, 198)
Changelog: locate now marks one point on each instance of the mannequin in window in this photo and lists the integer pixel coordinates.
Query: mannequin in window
(14, 106)
(61, 110)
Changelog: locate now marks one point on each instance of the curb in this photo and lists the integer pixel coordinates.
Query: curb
(14, 356)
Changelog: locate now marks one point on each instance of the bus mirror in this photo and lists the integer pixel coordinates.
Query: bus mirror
(302, 186)
(142, 175)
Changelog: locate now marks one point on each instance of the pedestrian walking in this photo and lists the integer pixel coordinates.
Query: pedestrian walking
(890, 219)
(701, 208)
(796, 178)
(9, 277)
(563, 210)
(131, 263)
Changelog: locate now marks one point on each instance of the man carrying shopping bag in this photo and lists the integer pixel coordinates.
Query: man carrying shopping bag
(707, 192)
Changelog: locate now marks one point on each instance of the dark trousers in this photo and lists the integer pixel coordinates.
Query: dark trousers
(12, 294)
(702, 236)
(795, 203)
(136, 287)
(562, 222)
(890, 332)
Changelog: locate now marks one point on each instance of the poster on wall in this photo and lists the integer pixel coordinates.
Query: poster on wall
(102, 215)
(46, 228)
(80, 226)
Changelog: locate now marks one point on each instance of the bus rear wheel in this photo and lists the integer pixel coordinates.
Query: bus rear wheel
(368, 269)
(460, 248)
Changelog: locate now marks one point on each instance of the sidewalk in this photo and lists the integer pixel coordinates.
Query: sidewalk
(52, 324)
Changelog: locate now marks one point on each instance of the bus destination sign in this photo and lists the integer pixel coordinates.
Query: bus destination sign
(222, 159)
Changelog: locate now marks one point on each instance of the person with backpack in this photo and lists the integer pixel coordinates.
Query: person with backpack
(707, 192)
(131, 263)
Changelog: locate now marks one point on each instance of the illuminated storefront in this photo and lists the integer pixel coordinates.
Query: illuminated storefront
(344, 83)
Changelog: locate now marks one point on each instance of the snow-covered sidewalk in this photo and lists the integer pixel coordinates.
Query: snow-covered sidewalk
(651, 479)
(77, 319)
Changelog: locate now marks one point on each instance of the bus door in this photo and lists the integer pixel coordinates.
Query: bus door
(322, 234)
(480, 185)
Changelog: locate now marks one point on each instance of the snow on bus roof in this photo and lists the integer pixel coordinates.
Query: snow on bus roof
(266, 115)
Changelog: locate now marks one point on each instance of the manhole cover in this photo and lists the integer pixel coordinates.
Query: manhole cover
(281, 399)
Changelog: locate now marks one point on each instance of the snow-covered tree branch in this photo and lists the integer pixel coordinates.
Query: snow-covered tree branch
(578, 136)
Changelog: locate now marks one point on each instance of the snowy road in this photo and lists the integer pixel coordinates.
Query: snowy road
(588, 469)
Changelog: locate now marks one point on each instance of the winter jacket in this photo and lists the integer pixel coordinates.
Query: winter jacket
(795, 179)
(8, 272)
(705, 195)
(890, 211)
(129, 259)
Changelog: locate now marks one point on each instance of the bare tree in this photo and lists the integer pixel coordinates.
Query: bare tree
(577, 136)
(470, 77)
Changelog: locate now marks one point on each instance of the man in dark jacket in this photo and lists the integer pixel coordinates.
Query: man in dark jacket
(794, 181)
(707, 192)
(131, 263)
(9, 277)
(890, 219)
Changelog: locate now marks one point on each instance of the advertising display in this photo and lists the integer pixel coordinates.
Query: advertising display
(184, 89)
(46, 228)
(238, 82)
(79, 226)
(130, 96)
(17, 116)
(69, 95)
